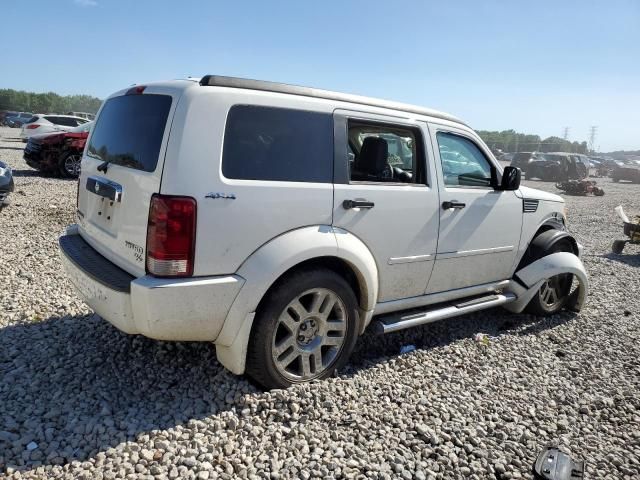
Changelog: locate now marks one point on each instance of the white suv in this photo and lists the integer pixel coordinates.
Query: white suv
(280, 222)
(40, 123)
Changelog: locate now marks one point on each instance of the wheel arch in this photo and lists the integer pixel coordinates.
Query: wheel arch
(324, 246)
(548, 234)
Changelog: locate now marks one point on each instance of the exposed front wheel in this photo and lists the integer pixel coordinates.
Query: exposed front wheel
(304, 330)
(554, 292)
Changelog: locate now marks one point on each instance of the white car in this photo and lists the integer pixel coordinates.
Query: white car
(40, 123)
(271, 220)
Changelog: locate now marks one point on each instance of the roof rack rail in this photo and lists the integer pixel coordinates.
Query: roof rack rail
(245, 83)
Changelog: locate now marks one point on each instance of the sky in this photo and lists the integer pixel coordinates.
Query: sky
(532, 66)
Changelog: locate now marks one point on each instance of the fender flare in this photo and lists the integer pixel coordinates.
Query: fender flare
(528, 280)
(543, 242)
(267, 264)
(546, 240)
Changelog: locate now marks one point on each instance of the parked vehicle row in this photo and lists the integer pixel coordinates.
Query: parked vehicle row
(281, 222)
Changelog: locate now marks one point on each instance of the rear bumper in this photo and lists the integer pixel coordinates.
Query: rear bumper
(165, 309)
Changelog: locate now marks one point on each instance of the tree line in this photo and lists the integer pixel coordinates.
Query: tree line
(21, 101)
(511, 141)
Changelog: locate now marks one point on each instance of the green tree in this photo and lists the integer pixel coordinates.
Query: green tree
(50, 102)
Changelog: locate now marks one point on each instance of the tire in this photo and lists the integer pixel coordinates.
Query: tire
(598, 192)
(69, 165)
(618, 246)
(554, 293)
(304, 329)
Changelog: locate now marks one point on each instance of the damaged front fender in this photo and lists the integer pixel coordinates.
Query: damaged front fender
(528, 280)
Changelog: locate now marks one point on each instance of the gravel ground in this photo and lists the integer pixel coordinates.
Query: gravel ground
(78, 399)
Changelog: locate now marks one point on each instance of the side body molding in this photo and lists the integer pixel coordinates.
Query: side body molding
(272, 260)
(528, 280)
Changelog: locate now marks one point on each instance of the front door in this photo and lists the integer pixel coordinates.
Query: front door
(385, 194)
(480, 226)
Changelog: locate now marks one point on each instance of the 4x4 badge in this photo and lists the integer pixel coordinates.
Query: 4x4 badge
(229, 196)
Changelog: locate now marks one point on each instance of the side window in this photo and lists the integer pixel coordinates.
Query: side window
(265, 143)
(463, 163)
(384, 153)
(52, 119)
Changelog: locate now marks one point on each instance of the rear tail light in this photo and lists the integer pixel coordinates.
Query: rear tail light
(32, 126)
(171, 236)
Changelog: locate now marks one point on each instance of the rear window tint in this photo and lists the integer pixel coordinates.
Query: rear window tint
(265, 143)
(129, 131)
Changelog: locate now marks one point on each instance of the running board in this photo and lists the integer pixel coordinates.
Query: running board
(399, 321)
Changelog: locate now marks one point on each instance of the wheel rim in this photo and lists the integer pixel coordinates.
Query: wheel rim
(309, 335)
(72, 164)
(553, 292)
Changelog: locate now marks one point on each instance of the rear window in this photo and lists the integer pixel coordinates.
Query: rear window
(265, 143)
(129, 131)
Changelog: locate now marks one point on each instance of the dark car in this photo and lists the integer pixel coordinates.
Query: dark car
(4, 114)
(558, 166)
(17, 120)
(6, 182)
(58, 153)
(628, 171)
(522, 160)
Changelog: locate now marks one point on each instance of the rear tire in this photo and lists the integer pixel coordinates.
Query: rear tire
(305, 329)
(554, 292)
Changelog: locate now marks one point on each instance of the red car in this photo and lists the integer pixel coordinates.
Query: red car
(58, 153)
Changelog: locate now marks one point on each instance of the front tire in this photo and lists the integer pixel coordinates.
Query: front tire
(304, 330)
(554, 292)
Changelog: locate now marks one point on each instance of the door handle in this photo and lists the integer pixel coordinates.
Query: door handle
(453, 204)
(348, 204)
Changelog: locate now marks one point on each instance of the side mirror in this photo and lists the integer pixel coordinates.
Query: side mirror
(511, 177)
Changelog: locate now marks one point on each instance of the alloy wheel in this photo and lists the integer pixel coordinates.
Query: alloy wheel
(309, 334)
(72, 165)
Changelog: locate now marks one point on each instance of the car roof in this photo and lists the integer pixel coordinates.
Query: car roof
(57, 115)
(245, 83)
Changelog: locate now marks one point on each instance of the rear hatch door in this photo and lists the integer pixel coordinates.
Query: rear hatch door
(121, 169)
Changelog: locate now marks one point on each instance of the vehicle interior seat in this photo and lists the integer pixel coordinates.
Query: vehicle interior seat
(371, 162)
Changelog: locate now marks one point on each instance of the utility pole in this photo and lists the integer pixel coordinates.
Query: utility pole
(593, 132)
(565, 135)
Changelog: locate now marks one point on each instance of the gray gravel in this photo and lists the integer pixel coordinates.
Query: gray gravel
(78, 399)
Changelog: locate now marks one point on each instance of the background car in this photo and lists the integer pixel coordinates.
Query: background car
(522, 160)
(17, 120)
(88, 116)
(629, 172)
(552, 167)
(6, 182)
(50, 123)
(58, 153)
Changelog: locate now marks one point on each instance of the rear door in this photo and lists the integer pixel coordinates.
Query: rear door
(480, 226)
(385, 194)
(121, 168)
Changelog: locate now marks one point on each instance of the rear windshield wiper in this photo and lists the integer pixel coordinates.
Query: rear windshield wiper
(103, 166)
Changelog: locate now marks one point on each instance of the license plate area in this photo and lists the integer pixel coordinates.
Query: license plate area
(103, 203)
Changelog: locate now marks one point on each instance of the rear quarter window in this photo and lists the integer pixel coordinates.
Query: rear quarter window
(266, 143)
(129, 131)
